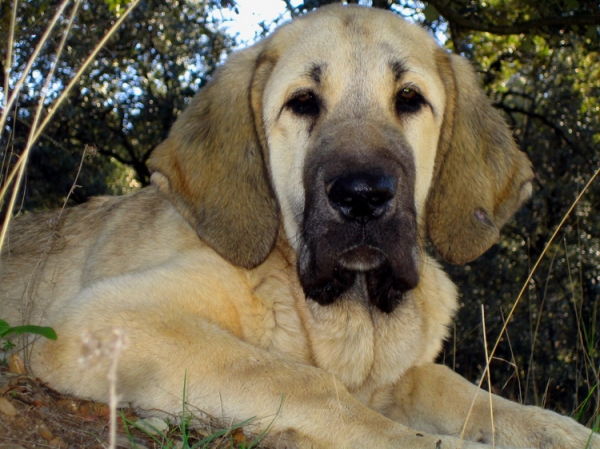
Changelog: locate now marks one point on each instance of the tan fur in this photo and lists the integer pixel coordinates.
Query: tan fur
(479, 168)
(200, 271)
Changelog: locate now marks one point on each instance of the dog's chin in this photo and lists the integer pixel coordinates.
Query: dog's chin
(364, 268)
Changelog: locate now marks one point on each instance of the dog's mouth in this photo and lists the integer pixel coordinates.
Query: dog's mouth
(383, 283)
(361, 258)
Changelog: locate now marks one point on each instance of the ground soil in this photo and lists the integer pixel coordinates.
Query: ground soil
(44, 418)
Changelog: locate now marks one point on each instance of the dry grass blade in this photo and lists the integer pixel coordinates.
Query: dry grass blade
(537, 327)
(8, 62)
(17, 89)
(486, 373)
(489, 377)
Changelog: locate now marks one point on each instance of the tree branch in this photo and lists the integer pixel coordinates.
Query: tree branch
(525, 27)
(559, 132)
(115, 155)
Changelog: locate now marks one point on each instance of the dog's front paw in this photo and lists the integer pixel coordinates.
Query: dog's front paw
(543, 429)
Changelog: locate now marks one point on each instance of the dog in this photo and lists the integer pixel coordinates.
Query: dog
(277, 265)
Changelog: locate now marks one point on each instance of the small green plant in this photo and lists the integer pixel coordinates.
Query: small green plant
(180, 436)
(6, 329)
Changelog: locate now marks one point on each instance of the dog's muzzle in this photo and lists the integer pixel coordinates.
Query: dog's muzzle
(360, 226)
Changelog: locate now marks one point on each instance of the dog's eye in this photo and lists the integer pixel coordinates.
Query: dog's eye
(408, 101)
(305, 103)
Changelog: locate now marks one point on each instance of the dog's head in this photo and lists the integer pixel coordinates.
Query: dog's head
(356, 132)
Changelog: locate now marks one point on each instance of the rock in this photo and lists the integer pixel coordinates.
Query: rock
(124, 442)
(45, 433)
(58, 442)
(7, 408)
(238, 436)
(16, 365)
(121, 441)
(152, 426)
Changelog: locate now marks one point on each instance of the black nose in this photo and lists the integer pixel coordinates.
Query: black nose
(362, 196)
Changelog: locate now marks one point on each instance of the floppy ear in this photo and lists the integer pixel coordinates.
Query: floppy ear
(212, 166)
(481, 177)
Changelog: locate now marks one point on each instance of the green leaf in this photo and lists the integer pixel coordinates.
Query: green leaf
(431, 13)
(47, 332)
(114, 5)
(528, 45)
(4, 327)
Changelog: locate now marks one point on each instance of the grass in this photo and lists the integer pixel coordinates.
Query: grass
(186, 436)
(183, 436)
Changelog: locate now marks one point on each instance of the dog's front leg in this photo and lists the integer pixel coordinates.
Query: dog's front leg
(433, 398)
(168, 344)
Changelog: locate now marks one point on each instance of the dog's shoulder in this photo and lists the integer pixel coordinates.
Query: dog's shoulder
(105, 237)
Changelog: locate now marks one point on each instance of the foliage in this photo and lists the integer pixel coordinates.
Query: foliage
(185, 434)
(6, 330)
(189, 438)
(124, 106)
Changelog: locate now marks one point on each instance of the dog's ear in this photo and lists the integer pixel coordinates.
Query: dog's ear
(481, 177)
(212, 165)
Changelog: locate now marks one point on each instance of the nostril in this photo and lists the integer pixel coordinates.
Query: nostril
(362, 196)
(380, 197)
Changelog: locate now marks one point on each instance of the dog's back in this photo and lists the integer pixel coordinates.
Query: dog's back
(49, 257)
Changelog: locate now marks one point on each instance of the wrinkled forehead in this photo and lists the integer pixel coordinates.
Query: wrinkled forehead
(355, 48)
